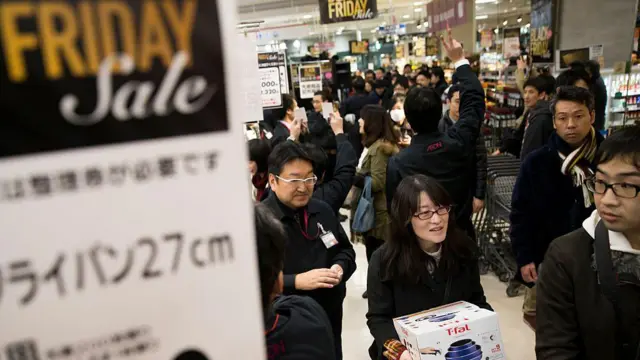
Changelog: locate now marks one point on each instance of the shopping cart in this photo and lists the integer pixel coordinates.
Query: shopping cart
(492, 225)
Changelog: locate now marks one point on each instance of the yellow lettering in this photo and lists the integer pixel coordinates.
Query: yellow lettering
(107, 13)
(154, 39)
(14, 43)
(332, 9)
(59, 44)
(182, 26)
(89, 37)
(349, 8)
(339, 12)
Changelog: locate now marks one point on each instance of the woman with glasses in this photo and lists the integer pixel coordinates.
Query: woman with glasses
(426, 263)
(381, 142)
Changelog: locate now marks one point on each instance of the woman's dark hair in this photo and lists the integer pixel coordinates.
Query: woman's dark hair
(259, 150)
(270, 238)
(377, 125)
(402, 257)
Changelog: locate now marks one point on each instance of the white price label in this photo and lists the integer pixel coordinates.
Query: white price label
(270, 87)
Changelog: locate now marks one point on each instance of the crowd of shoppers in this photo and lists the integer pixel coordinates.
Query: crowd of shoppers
(427, 173)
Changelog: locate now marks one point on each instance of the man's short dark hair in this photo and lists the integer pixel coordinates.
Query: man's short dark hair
(287, 104)
(381, 69)
(402, 81)
(571, 76)
(537, 83)
(593, 67)
(259, 150)
(369, 71)
(358, 84)
(270, 240)
(407, 65)
(423, 109)
(574, 94)
(623, 143)
(550, 84)
(453, 89)
(381, 84)
(285, 153)
(321, 94)
(439, 72)
(319, 158)
(425, 74)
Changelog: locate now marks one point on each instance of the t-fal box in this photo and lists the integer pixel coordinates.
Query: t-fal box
(458, 331)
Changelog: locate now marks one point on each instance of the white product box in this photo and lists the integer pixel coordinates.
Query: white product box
(458, 331)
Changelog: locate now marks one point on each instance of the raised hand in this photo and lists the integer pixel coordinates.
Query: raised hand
(452, 47)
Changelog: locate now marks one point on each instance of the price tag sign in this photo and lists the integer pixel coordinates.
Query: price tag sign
(270, 87)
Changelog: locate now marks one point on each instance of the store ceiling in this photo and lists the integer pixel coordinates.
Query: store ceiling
(287, 14)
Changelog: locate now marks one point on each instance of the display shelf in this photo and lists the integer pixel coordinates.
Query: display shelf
(628, 109)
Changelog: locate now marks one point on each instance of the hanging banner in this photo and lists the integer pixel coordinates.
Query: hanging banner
(542, 31)
(433, 46)
(358, 47)
(273, 80)
(511, 43)
(443, 12)
(310, 77)
(125, 219)
(334, 11)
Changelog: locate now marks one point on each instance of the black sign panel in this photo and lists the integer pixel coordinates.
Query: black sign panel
(77, 73)
(542, 30)
(333, 11)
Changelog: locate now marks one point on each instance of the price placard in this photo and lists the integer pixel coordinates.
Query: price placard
(270, 87)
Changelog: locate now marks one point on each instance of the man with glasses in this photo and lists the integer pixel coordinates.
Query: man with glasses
(589, 283)
(319, 259)
(550, 198)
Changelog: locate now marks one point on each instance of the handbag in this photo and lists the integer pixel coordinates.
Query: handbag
(365, 216)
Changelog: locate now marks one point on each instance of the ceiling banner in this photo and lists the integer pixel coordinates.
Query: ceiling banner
(542, 31)
(335, 11)
(443, 12)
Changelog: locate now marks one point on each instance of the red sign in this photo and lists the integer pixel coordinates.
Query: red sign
(441, 12)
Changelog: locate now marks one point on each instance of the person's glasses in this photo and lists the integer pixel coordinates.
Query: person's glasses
(296, 182)
(622, 190)
(426, 215)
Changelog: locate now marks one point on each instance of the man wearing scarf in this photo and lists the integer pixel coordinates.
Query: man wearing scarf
(550, 198)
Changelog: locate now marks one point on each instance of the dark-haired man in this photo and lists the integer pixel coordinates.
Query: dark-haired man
(319, 259)
(320, 132)
(574, 77)
(287, 127)
(369, 75)
(295, 327)
(589, 284)
(401, 86)
(443, 156)
(549, 198)
(352, 106)
(380, 73)
(423, 79)
(479, 161)
(407, 70)
(598, 88)
(438, 81)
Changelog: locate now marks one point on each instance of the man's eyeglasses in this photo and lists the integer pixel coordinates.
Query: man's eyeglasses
(426, 215)
(296, 182)
(622, 190)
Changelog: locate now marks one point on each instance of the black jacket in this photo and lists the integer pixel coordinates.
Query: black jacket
(445, 157)
(480, 160)
(353, 105)
(600, 94)
(575, 320)
(297, 328)
(302, 254)
(538, 128)
(335, 191)
(545, 204)
(441, 87)
(281, 133)
(320, 132)
(388, 300)
(512, 139)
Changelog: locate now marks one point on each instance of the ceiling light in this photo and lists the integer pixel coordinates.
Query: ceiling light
(528, 25)
(419, 26)
(296, 44)
(482, 17)
(417, 9)
(373, 31)
(519, 19)
(514, 8)
(406, 16)
(311, 33)
(308, 16)
(426, 24)
(496, 30)
(417, 3)
(504, 23)
(486, 1)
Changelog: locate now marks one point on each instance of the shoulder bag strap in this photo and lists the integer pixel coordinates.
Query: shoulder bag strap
(606, 275)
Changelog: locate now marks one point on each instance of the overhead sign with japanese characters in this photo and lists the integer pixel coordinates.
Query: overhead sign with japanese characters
(122, 220)
(443, 13)
(333, 11)
(310, 78)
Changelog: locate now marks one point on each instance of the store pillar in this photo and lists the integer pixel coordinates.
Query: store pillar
(466, 33)
(595, 22)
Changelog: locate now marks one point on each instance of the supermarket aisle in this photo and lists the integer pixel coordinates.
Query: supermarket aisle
(518, 338)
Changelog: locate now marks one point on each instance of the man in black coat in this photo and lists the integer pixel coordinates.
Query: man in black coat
(549, 198)
(479, 163)
(296, 327)
(319, 259)
(539, 123)
(597, 87)
(588, 309)
(320, 132)
(334, 189)
(287, 126)
(353, 105)
(445, 157)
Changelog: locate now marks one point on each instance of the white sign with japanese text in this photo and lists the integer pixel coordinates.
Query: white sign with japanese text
(270, 87)
(125, 221)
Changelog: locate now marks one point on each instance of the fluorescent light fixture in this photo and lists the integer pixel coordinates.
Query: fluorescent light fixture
(497, 30)
(373, 31)
(417, 9)
(519, 20)
(426, 24)
(504, 23)
(419, 26)
(308, 16)
(486, 1)
(514, 8)
(406, 16)
(417, 3)
(528, 25)
(482, 17)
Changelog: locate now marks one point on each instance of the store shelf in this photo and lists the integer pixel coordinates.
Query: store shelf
(629, 109)
(633, 93)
